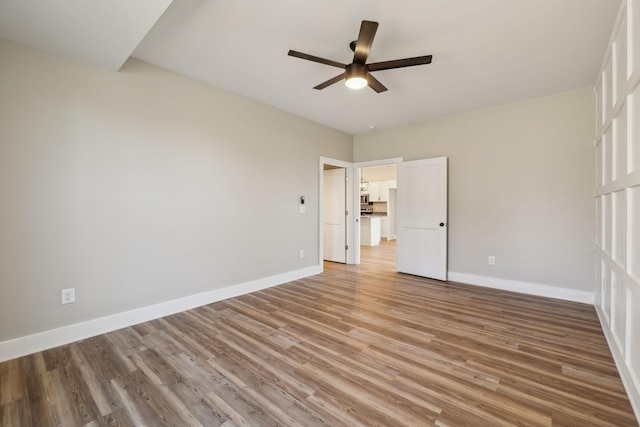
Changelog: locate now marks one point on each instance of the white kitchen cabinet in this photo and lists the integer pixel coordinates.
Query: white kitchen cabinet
(374, 191)
(384, 191)
(384, 227)
(379, 191)
(370, 230)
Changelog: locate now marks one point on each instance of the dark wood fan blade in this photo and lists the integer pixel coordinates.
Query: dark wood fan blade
(375, 84)
(316, 59)
(399, 63)
(365, 40)
(329, 82)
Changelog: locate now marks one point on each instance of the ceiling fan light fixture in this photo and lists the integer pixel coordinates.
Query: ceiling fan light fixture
(356, 76)
(356, 82)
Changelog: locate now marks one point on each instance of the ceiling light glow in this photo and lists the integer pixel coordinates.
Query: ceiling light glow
(356, 82)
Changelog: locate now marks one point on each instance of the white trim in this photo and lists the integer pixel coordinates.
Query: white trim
(381, 162)
(56, 337)
(548, 291)
(628, 379)
(335, 162)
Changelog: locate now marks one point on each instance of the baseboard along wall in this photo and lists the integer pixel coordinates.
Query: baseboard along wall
(29, 344)
(524, 287)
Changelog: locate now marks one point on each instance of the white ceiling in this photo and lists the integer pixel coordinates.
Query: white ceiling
(485, 52)
(104, 32)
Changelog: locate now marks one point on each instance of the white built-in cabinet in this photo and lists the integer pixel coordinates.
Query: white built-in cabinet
(617, 192)
(379, 191)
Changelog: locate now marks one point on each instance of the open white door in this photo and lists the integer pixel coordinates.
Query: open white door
(422, 218)
(334, 215)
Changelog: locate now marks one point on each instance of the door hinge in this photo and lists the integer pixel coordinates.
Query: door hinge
(346, 213)
(346, 247)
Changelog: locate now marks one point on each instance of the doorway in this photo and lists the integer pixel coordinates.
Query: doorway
(378, 186)
(335, 213)
(421, 224)
(421, 217)
(382, 174)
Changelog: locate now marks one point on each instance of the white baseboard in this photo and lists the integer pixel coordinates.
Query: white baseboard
(525, 287)
(632, 388)
(56, 337)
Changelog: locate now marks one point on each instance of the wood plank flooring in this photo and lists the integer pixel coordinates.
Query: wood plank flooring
(354, 346)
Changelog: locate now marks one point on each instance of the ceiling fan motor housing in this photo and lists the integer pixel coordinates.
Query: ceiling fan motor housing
(356, 70)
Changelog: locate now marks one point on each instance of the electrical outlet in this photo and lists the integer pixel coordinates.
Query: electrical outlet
(68, 295)
(492, 260)
(301, 253)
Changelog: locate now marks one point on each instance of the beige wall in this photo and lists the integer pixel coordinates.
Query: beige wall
(521, 182)
(141, 186)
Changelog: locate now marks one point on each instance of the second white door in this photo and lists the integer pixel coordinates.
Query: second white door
(422, 218)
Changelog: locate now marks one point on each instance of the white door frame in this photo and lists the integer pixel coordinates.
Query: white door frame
(356, 191)
(351, 208)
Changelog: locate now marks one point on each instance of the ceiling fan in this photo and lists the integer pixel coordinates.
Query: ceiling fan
(358, 74)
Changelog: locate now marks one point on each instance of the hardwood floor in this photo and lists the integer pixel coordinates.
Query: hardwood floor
(356, 345)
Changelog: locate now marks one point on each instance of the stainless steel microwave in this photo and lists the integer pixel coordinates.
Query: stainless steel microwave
(364, 199)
